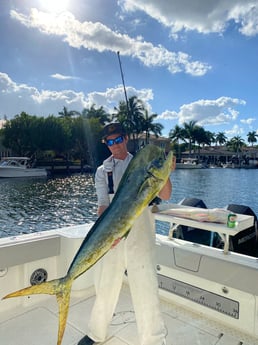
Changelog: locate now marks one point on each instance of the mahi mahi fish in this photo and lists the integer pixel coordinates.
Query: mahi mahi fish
(143, 179)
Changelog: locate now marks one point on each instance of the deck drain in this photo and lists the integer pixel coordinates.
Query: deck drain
(38, 276)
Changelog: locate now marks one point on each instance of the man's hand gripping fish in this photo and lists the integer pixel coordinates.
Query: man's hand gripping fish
(143, 179)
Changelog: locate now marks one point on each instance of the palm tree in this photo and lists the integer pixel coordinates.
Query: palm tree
(136, 109)
(175, 136)
(210, 138)
(65, 113)
(221, 138)
(251, 137)
(201, 137)
(188, 130)
(98, 113)
(148, 126)
(236, 144)
(130, 116)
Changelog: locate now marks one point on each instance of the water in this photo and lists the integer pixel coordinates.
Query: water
(217, 187)
(31, 205)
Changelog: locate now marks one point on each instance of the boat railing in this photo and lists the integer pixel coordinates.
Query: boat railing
(164, 212)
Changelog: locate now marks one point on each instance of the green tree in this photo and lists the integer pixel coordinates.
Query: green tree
(27, 135)
(148, 126)
(201, 137)
(98, 113)
(57, 134)
(189, 133)
(130, 115)
(221, 138)
(18, 134)
(252, 137)
(236, 144)
(175, 136)
(209, 138)
(86, 139)
(65, 113)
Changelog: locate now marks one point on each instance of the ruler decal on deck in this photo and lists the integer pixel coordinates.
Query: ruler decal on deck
(206, 298)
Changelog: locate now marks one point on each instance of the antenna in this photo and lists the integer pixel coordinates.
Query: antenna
(122, 76)
(129, 117)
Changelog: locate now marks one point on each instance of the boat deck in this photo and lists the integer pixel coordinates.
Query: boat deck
(211, 297)
(34, 325)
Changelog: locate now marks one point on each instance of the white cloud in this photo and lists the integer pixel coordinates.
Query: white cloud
(168, 115)
(206, 112)
(96, 36)
(202, 16)
(235, 131)
(249, 121)
(112, 96)
(62, 77)
(15, 98)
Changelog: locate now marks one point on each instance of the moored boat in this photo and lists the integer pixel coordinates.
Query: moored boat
(189, 163)
(12, 167)
(208, 295)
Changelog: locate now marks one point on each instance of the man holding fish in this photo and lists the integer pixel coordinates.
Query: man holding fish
(145, 177)
(133, 254)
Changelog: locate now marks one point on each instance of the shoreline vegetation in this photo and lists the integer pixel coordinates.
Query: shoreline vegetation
(72, 141)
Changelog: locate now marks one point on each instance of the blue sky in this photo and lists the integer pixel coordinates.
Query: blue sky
(187, 60)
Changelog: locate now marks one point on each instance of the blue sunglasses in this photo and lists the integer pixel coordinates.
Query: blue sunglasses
(118, 140)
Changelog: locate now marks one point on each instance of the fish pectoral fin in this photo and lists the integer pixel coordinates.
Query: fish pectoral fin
(115, 243)
(119, 239)
(143, 186)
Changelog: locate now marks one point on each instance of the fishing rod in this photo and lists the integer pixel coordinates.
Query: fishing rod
(129, 114)
(123, 81)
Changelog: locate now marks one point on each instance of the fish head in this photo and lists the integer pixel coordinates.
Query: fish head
(145, 175)
(157, 167)
(160, 167)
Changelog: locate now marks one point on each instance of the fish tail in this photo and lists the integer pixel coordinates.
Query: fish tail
(59, 287)
(63, 300)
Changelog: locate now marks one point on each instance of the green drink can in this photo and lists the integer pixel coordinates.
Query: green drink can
(231, 220)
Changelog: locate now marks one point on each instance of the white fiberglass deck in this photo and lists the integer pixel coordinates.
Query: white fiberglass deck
(227, 279)
(38, 325)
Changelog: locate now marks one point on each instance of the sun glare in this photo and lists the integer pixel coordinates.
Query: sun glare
(55, 6)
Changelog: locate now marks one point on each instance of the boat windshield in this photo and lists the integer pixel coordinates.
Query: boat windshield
(14, 162)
